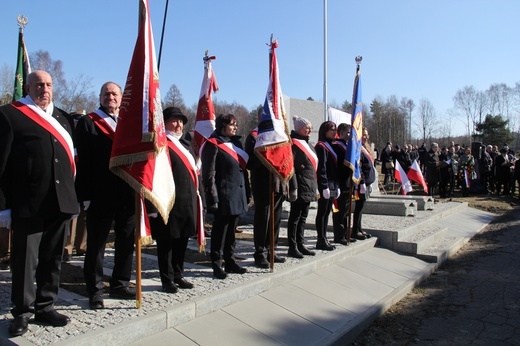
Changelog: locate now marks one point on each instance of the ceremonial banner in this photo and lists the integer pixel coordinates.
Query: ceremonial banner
(415, 174)
(273, 143)
(205, 120)
(23, 68)
(400, 176)
(353, 152)
(140, 151)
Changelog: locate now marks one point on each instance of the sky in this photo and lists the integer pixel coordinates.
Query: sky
(418, 49)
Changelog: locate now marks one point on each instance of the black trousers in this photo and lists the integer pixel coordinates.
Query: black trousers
(322, 218)
(98, 228)
(261, 230)
(340, 217)
(296, 223)
(170, 257)
(223, 238)
(358, 213)
(36, 255)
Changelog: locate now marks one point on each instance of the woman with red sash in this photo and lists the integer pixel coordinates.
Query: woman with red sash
(226, 182)
(328, 183)
(305, 165)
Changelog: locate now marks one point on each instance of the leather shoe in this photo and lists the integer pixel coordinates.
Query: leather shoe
(218, 272)
(183, 283)
(123, 293)
(51, 317)
(170, 288)
(294, 252)
(262, 263)
(325, 246)
(368, 235)
(359, 236)
(234, 268)
(19, 325)
(96, 302)
(341, 241)
(278, 259)
(304, 251)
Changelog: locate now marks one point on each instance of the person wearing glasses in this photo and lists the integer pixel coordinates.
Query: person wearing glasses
(227, 190)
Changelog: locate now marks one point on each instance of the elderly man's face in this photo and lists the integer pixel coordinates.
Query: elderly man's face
(39, 88)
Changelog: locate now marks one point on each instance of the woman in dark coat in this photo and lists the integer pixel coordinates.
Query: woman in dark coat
(432, 164)
(228, 191)
(328, 184)
(172, 238)
(363, 189)
(305, 165)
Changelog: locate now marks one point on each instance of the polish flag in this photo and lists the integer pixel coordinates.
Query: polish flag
(400, 176)
(205, 119)
(415, 174)
(140, 152)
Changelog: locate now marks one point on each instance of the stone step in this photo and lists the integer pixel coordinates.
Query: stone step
(423, 202)
(442, 249)
(415, 243)
(397, 207)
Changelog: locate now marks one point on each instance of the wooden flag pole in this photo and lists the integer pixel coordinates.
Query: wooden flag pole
(138, 292)
(349, 229)
(271, 222)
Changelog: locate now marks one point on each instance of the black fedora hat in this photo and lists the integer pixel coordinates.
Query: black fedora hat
(174, 112)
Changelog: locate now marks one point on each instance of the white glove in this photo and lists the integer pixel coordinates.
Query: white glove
(86, 204)
(326, 193)
(153, 215)
(5, 218)
(338, 193)
(362, 188)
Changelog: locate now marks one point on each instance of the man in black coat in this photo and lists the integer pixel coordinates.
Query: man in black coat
(260, 179)
(106, 198)
(37, 199)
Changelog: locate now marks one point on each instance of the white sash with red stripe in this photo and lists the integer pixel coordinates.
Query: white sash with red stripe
(27, 107)
(104, 122)
(235, 152)
(189, 162)
(306, 149)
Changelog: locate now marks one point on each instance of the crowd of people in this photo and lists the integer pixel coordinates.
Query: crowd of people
(474, 169)
(56, 186)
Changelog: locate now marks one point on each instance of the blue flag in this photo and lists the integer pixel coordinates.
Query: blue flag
(353, 153)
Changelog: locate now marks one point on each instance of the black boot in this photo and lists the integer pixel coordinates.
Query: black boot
(218, 272)
(294, 252)
(304, 251)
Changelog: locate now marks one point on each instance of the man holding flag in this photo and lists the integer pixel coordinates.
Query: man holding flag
(271, 165)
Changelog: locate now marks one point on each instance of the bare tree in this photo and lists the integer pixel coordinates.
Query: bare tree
(501, 99)
(6, 84)
(408, 105)
(78, 95)
(174, 98)
(427, 119)
(467, 101)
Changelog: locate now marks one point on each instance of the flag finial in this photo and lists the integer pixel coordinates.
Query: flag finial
(22, 21)
(207, 57)
(358, 60)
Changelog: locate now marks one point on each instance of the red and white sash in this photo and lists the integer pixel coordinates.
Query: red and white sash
(235, 152)
(36, 114)
(306, 149)
(189, 162)
(331, 151)
(104, 122)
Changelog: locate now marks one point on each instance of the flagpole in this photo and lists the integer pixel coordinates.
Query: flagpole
(138, 292)
(162, 36)
(325, 101)
(271, 190)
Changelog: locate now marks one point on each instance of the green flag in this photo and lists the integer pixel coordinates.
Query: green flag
(23, 68)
